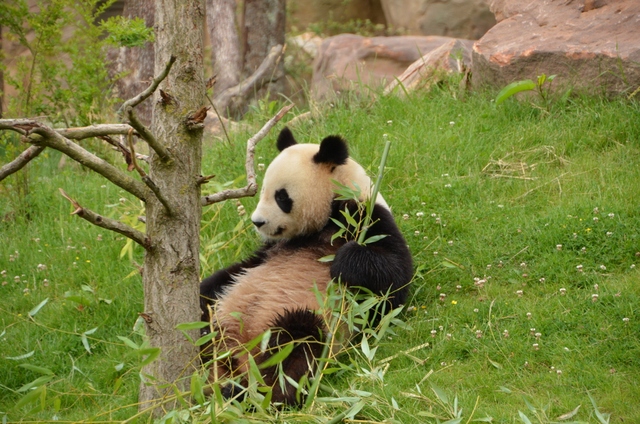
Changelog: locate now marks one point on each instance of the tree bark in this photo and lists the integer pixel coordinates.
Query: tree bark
(136, 63)
(225, 44)
(171, 272)
(263, 27)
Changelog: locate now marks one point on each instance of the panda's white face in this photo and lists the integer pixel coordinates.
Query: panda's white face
(298, 188)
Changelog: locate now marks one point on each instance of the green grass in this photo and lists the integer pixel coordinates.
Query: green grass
(517, 215)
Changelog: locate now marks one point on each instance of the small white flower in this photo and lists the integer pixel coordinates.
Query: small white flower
(563, 291)
(519, 293)
(447, 185)
(420, 214)
(594, 297)
(602, 267)
(405, 216)
(529, 315)
(417, 233)
(452, 123)
(42, 267)
(611, 215)
(433, 333)
(625, 319)
(558, 247)
(478, 334)
(261, 167)
(389, 122)
(536, 346)
(595, 219)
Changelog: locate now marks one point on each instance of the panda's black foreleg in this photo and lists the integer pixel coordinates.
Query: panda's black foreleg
(384, 266)
(305, 329)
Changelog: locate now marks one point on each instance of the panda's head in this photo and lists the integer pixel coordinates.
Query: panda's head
(298, 188)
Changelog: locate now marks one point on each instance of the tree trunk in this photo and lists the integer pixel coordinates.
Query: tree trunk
(135, 63)
(171, 271)
(225, 45)
(263, 27)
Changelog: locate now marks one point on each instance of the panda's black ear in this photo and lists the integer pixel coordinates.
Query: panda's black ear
(333, 151)
(285, 139)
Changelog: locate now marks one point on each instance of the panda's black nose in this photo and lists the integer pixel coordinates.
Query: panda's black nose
(258, 224)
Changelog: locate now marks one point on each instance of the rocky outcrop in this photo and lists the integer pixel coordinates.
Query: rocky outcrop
(454, 18)
(591, 45)
(347, 61)
(451, 57)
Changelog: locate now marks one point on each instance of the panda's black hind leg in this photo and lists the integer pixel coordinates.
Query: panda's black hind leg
(305, 329)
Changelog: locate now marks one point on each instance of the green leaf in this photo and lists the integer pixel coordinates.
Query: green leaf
(35, 310)
(514, 88)
(603, 418)
(328, 258)
(569, 414)
(505, 389)
(524, 418)
(439, 393)
(206, 338)
(278, 357)
(453, 421)
(196, 388)
(36, 383)
(152, 354)
(374, 239)
(196, 325)
(494, 363)
(129, 342)
(31, 397)
(17, 358)
(37, 369)
(85, 343)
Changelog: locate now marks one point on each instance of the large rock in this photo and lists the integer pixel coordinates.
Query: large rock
(454, 18)
(592, 45)
(451, 57)
(348, 61)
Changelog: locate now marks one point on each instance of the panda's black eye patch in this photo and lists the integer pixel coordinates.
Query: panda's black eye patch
(283, 200)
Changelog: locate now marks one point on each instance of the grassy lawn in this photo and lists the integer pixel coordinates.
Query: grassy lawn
(523, 221)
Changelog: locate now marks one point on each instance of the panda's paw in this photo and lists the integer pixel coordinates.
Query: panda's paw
(352, 260)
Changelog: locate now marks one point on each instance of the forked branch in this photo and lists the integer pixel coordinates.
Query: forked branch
(108, 223)
(21, 161)
(252, 187)
(253, 82)
(43, 136)
(127, 108)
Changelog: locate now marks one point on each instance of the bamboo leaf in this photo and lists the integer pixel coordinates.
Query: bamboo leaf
(569, 414)
(524, 418)
(278, 357)
(37, 369)
(514, 88)
(374, 239)
(196, 325)
(439, 393)
(17, 358)
(35, 310)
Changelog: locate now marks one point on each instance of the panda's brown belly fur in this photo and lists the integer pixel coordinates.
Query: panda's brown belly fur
(283, 282)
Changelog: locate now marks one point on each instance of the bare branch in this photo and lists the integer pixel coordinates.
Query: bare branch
(146, 179)
(41, 135)
(254, 82)
(252, 187)
(146, 135)
(108, 223)
(94, 131)
(135, 101)
(127, 108)
(19, 162)
(25, 125)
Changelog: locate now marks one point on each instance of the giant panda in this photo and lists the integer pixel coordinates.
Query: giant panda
(273, 289)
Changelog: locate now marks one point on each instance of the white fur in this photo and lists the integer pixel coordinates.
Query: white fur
(311, 187)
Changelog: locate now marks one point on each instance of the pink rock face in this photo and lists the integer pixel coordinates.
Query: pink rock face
(347, 61)
(592, 45)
